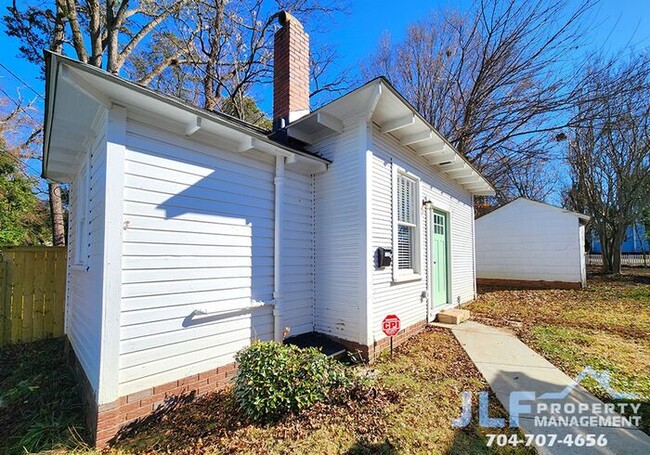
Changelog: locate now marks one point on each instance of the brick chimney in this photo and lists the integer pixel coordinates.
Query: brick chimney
(290, 71)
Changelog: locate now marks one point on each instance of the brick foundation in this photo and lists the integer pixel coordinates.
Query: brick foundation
(370, 353)
(527, 284)
(105, 421)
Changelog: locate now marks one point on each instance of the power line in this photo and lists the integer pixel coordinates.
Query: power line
(22, 81)
(21, 162)
(9, 154)
(18, 105)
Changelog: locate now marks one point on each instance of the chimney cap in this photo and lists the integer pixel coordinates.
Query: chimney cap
(284, 17)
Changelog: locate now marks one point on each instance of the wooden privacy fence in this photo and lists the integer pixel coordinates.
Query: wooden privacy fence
(32, 293)
(626, 259)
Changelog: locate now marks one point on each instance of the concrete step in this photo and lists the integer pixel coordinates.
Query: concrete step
(453, 316)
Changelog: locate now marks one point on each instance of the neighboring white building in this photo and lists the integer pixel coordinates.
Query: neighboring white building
(192, 234)
(531, 244)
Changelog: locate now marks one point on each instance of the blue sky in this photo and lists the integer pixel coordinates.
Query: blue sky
(613, 25)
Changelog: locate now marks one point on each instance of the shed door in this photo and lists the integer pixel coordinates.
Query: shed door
(440, 264)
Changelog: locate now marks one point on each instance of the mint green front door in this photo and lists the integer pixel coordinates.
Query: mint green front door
(440, 264)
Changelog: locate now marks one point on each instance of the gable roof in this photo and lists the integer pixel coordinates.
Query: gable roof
(75, 93)
(377, 99)
(386, 107)
(582, 217)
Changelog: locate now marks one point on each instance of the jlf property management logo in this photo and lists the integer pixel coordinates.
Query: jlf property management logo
(556, 410)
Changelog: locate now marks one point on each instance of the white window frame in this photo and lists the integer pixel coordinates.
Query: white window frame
(401, 275)
(82, 227)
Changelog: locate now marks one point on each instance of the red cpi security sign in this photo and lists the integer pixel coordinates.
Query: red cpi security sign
(390, 325)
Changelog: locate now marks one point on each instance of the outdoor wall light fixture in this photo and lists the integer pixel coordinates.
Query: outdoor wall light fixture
(426, 204)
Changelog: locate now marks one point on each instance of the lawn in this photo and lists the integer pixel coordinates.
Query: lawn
(409, 409)
(605, 326)
(39, 403)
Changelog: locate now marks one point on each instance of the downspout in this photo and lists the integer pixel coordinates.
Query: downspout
(474, 267)
(277, 249)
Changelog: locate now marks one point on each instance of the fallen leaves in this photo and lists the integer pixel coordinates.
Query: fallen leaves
(605, 326)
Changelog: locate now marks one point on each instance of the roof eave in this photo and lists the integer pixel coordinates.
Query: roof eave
(259, 136)
(364, 100)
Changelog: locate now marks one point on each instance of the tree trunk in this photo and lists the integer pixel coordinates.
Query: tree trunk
(616, 258)
(56, 215)
(54, 189)
(619, 236)
(606, 252)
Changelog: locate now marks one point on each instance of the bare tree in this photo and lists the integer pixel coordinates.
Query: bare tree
(103, 34)
(54, 188)
(609, 153)
(222, 49)
(536, 180)
(490, 79)
(209, 52)
(100, 34)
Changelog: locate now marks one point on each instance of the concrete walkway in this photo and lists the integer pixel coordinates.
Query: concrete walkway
(510, 366)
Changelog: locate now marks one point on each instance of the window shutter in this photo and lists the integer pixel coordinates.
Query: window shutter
(406, 222)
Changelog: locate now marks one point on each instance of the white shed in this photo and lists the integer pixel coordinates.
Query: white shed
(531, 244)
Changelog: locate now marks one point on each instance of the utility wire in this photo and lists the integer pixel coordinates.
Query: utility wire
(21, 162)
(22, 81)
(18, 105)
(15, 158)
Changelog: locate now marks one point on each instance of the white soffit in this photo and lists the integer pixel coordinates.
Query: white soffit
(78, 92)
(391, 115)
(396, 117)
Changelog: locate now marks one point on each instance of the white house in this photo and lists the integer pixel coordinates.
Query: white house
(531, 244)
(193, 234)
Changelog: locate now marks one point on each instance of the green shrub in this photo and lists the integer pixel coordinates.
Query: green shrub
(275, 379)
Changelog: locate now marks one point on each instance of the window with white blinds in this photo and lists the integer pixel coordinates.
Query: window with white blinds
(407, 219)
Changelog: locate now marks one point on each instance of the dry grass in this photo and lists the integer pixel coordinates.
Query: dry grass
(605, 326)
(39, 403)
(409, 410)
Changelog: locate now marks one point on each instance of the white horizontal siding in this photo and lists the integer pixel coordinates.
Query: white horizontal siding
(199, 236)
(406, 299)
(338, 236)
(297, 256)
(527, 241)
(84, 284)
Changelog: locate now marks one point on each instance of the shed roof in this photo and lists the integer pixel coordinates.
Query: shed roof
(582, 217)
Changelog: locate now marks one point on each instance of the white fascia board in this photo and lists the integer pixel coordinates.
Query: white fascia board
(83, 74)
(271, 149)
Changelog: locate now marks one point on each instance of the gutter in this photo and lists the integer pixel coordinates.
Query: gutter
(50, 97)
